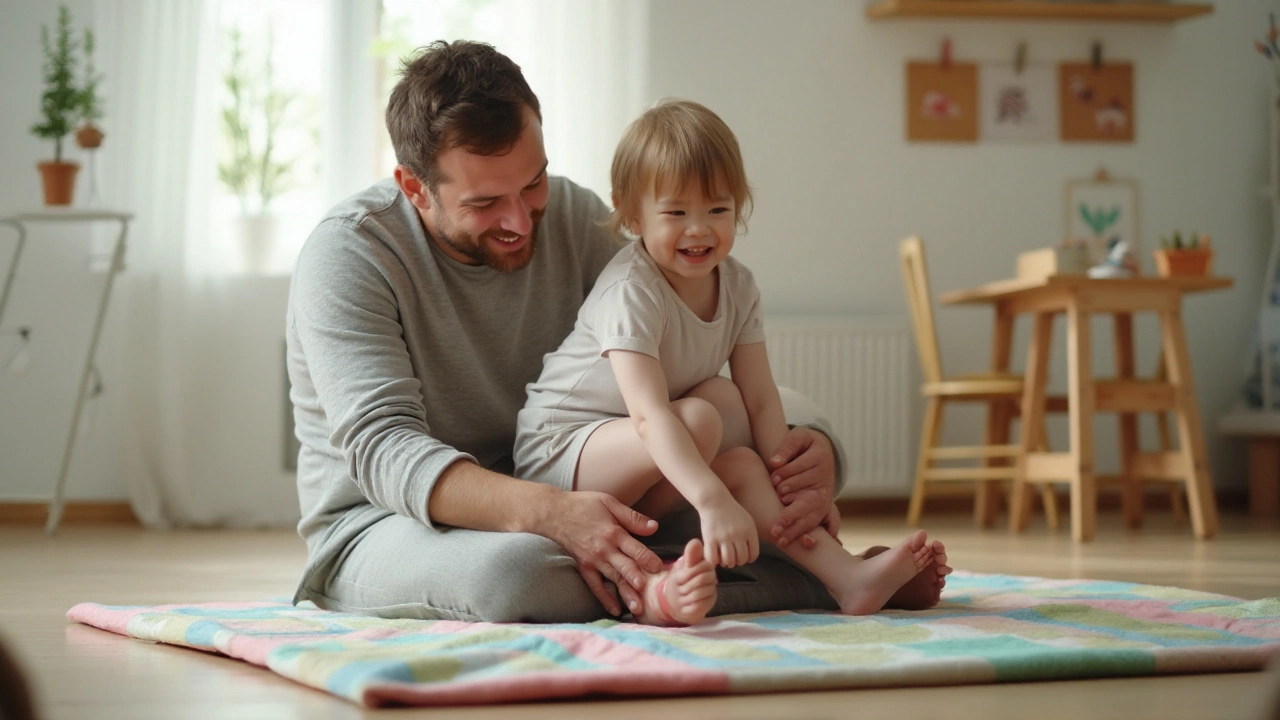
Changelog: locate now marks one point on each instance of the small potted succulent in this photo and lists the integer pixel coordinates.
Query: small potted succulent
(60, 106)
(1182, 257)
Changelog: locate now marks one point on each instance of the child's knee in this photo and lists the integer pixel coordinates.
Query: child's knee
(703, 422)
(739, 466)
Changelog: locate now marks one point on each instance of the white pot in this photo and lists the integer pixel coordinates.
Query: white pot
(257, 238)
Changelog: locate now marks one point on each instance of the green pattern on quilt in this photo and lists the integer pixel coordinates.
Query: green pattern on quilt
(1016, 659)
(436, 669)
(1094, 617)
(874, 632)
(859, 656)
(1269, 607)
(322, 659)
(528, 663)
(496, 635)
(717, 649)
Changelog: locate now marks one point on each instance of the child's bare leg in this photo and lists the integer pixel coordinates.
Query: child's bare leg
(925, 589)
(860, 585)
(683, 593)
(615, 461)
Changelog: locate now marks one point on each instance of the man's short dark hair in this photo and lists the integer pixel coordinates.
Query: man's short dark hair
(460, 94)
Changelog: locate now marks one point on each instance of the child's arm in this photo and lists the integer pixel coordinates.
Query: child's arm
(728, 531)
(749, 366)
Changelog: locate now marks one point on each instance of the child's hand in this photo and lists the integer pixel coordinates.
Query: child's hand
(729, 534)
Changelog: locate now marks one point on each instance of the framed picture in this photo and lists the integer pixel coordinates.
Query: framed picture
(1102, 211)
(942, 102)
(1096, 102)
(1018, 106)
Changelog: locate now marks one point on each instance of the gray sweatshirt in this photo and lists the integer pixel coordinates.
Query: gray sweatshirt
(402, 360)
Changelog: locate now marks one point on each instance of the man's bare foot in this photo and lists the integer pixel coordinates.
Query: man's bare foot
(683, 593)
(874, 580)
(925, 589)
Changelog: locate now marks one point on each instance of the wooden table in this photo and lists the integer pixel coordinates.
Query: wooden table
(1078, 297)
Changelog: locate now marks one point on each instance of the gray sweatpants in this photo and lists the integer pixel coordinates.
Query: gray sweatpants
(400, 568)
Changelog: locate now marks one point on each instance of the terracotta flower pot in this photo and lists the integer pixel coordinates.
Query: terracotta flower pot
(1193, 262)
(89, 136)
(59, 181)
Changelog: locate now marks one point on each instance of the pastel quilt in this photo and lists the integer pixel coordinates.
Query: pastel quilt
(989, 628)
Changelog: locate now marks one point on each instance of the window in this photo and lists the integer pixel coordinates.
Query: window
(310, 81)
(268, 151)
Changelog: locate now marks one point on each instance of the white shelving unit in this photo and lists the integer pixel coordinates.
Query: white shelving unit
(19, 222)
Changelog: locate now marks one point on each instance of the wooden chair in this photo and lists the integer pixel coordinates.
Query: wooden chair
(1001, 393)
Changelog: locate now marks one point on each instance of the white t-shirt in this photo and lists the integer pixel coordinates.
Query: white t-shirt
(632, 307)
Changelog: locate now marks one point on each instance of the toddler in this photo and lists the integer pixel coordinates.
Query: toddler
(632, 403)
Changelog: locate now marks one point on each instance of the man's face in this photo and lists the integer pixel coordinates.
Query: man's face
(487, 208)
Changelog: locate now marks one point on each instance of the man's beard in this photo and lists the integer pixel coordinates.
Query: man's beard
(480, 251)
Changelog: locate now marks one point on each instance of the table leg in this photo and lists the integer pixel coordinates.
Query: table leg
(1033, 402)
(1264, 477)
(987, 501)
(55, 505)
(1204, 509)
(13, 266)
(1080, 391)
(1131, 484)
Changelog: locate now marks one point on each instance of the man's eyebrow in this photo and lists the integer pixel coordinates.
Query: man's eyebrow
(481, 200)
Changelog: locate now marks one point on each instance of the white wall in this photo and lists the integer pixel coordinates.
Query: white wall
(815, 94)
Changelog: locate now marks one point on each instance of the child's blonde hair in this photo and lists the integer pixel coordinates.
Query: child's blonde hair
(673, 143)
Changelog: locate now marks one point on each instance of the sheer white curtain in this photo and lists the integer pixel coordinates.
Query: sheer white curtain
(158, 58)
(199, 351)
(587, 60)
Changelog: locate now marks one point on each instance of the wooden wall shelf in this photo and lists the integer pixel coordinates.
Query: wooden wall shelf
(1115, 11)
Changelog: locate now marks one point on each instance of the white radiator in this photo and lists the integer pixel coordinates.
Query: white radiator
(863, 373)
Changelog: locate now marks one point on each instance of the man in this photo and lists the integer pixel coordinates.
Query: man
(419, 310)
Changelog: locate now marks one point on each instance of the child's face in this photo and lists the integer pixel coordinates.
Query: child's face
(687, 233)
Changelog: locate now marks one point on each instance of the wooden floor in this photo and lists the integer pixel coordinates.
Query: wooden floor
(80, 672)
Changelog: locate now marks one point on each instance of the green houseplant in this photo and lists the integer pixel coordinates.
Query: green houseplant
(255, 112)
(59, 107)
(89, 135)
(252, 118)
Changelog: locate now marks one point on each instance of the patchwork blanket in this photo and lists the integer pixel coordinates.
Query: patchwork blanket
(989, 628)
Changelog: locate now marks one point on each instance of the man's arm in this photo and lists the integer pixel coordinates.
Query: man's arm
(593, 528)
(806, 471)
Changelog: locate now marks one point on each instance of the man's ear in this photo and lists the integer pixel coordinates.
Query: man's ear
(413, 188)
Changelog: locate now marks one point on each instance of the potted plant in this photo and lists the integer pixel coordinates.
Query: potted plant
(1178, 257)
(89, 135)
(59, 105)
(253, 115)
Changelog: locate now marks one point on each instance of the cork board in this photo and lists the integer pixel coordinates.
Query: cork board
(1096, 103)
(942, 102)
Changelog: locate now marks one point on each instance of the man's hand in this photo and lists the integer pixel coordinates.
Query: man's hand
(596, 530)
(803, 470)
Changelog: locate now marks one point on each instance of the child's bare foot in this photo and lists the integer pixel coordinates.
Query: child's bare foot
(874, 580)
(683, 593)
(925, 589)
